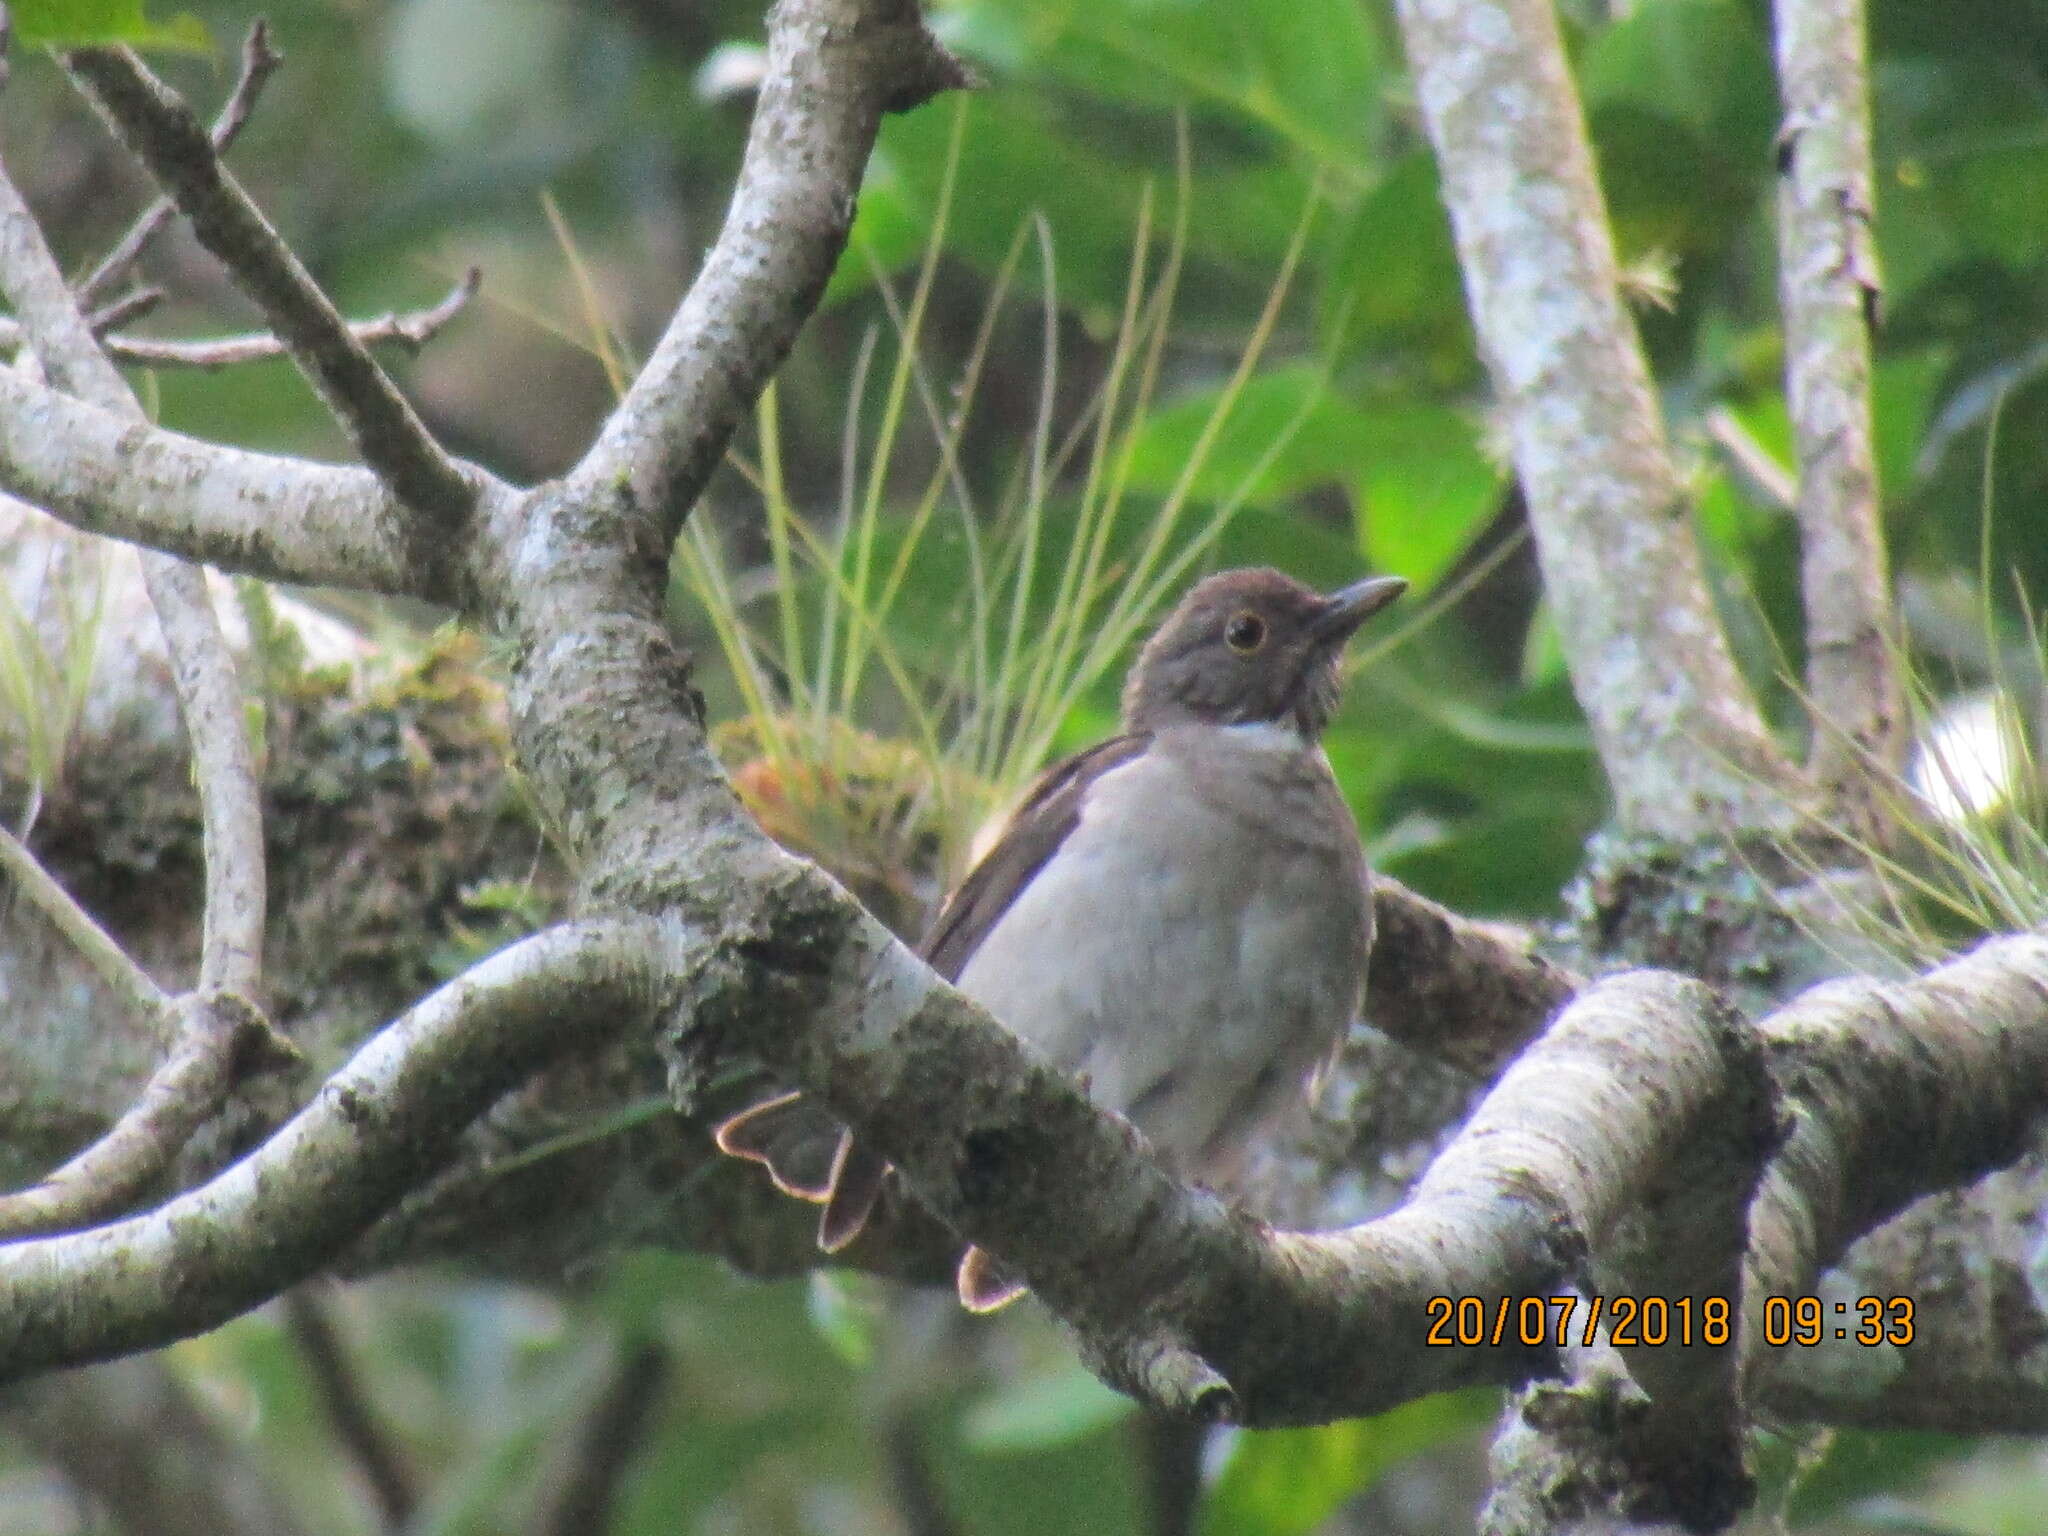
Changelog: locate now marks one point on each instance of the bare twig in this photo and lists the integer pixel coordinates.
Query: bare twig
(1680, 735)
(411, 331)
(230, 803)
(109, 960)
(259, 62)
(123, 311)
(209, 693)
(219, 1022)
(135, 1439)
(920, 1500)
(223, 1039)
(1752, 460)
(1829, 290)
(834, 67)
(611, 1434)
(159, 128)
(349, 1410)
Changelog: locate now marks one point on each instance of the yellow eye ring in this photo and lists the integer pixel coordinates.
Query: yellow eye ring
(1245, 632)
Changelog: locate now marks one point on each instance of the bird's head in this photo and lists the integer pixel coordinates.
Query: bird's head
(1251, 647)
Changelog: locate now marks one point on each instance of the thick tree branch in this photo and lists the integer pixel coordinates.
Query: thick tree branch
(1468, 993)
(1898, 1091)
(220, 1022)
(1828, 289)
(159, 128)
(280, 518)
(834, 67)
(1679, 733)
(259, 62)
(1890, 1092)
(1968, 1262)
(375, 1130)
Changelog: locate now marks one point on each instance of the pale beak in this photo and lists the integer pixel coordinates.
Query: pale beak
(1351, 607)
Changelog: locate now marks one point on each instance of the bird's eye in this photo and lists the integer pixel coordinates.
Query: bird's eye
(1245, 633)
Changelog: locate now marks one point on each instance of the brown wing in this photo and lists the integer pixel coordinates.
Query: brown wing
(1039, 825)
(1037, 828)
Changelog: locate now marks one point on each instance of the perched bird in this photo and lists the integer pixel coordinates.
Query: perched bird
(1178, 916)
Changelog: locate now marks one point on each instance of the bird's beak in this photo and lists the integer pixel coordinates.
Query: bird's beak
(1347, 609)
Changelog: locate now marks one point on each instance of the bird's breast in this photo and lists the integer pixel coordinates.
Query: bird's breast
(1194, 946)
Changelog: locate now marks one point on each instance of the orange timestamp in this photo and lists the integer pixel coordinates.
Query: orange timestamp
(1655, 1321)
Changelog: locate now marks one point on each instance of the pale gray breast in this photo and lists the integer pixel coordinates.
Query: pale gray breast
(1196, 945)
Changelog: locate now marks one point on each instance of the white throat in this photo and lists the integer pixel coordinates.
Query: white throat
(1266, 736)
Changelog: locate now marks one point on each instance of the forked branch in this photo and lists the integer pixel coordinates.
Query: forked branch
(160, 129)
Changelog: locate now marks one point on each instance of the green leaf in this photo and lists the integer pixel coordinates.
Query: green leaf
(1328, 438)
(1423, 485)
(1859, 1464)
(1731, 522)
(1902, 394)
(1306, 71)
(92, 23)
(844, 1310)
(1086, 173)
(1393, 276)
(1701, 62)
(1287, 1482)
(1424, 488)
(1034, 1412)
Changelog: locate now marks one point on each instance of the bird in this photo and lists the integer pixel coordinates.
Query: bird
(1178, 917)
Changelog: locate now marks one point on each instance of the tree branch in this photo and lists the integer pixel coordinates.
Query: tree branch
(283, 519)
(219, 1024)
(1466, 992)
(131, 1436)
(376, 1128)
(1968, 1264)
(349, 1410)
(834, 67)
(259, 62)
(127, 980)
(612, 1431)
(1680, 736)
(1828, 290)
(1900, 1091)
(1890, 1092)
(411, 331)
(159, 128)
(222, 1040)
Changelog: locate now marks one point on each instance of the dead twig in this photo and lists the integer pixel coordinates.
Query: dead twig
(410, 330)
(259, 62)
(356, 1423)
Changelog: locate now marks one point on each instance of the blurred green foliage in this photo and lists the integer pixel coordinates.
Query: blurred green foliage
(409, 138)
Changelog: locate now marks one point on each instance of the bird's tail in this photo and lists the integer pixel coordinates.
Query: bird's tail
(983, 1287)
(794, 1139)
(857, 1175)
(811, 1156)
